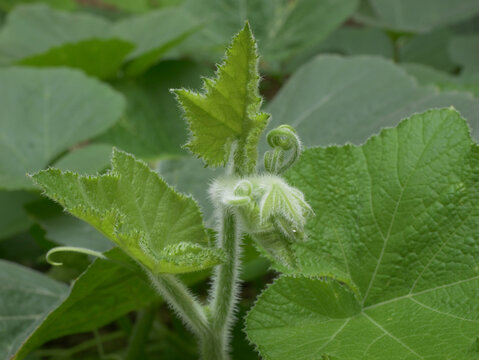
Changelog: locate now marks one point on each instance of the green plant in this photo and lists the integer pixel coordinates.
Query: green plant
(386, 212)
(369, 251)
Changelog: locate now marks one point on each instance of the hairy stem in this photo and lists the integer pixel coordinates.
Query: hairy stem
(139, 335)
(182, 301)
(225, 290)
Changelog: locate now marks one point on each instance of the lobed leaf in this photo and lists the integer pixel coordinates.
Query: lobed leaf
(136, 209)
(396, 226)
(226, 114)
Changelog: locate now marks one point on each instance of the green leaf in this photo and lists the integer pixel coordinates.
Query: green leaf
(86, 160)
(152, 126)
(13, 217)
(154, 34)
(35, 29)
(136, 209)
(8, 5)
(107, 290)
(65, 108)
(66, 230)
(428, 49)
(446, 82)
(39, 36)
(108, 54)
(283, 28)
(348, 41)
(463, 50)
(133, 6)
(26, 298)
(227, 113)
(334, 100)
(415, 16)
(396, 226)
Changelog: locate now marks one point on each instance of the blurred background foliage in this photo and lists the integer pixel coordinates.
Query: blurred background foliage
(78, 77)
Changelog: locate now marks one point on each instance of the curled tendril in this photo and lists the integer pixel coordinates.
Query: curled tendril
(282, 139)
(71, 249)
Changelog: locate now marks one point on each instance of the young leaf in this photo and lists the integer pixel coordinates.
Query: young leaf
(226, 115)
(137, 210)
(397, 223)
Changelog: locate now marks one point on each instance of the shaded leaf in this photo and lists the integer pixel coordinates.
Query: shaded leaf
(154, 34)
(429, 49)
(429, 76)
(107, 290)
(415, 16)
(90, 159)
(283, 28)
(464, 50)
(65, 108)
(334, 100)
(152, 125)
(13, 217)
(26, 298)
(35, 29)
(101, 58)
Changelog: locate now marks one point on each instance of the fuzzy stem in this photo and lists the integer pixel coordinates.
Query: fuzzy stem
(182, 301)
(225, 290)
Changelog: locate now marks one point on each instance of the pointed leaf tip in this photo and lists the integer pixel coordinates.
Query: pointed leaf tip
(227, 111)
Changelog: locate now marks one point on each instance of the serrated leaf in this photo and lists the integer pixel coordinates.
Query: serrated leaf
(107, 290)
(227, 113)
(137, 210)
(26, 298)
(334, 100)
(65, 108)
(396, 223)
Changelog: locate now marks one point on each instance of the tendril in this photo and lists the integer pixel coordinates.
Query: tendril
(283, 139)
(74, 250)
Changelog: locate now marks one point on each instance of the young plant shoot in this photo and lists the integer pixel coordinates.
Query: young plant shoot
(163, 230)
(377, 244)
